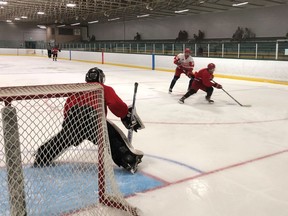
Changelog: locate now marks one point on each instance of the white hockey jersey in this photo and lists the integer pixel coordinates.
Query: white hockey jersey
(186, 63)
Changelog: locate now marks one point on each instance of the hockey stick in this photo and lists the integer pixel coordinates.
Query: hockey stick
(130, 131)
(233, 97)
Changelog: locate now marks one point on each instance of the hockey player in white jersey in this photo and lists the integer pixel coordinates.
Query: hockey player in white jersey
(185, 64)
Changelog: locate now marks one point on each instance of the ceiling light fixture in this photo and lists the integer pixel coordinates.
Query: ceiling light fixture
(42, 26)
(182, 11)
(16, 18)
(95, 21)
(9, 21)
(71, 5)
(75, 24)
(59, 26)
(40, 13)
(24, 17)
(114, 19)
(3, 2)
(144, 15)
(239, 4)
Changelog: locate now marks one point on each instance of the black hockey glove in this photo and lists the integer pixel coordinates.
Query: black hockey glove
(129, 122)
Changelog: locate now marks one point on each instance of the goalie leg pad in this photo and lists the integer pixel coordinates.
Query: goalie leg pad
(80, 123)
(76, 127)
(50, 150)
(123, 153)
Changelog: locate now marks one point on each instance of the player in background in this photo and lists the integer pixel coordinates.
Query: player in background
(203, 80)
(55, 51)
(185, 64)
(49, 50)
(79, 124)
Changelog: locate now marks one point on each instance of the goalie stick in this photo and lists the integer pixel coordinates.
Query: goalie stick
(233, 97)
(133, 169)
(130, 131)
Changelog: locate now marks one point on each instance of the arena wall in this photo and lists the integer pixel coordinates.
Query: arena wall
(271, 71)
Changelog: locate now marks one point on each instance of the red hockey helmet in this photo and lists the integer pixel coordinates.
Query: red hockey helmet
(187, 50)
(211, 66)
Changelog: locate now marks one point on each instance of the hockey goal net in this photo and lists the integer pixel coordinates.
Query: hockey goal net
(81, 181)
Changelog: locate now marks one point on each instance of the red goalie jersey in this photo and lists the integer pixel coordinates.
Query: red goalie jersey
(112, 101)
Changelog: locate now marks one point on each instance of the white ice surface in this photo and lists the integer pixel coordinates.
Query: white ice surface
(216, 159)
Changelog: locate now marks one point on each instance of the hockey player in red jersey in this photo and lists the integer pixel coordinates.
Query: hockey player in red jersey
(203, 80)
(79, 121)
(55, 51)
(185, 64)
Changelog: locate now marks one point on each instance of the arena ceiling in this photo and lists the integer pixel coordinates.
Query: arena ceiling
(60, 12)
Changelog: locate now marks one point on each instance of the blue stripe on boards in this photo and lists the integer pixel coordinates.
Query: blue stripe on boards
(153, 61)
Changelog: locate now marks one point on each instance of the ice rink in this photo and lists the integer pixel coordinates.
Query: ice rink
(217, 159)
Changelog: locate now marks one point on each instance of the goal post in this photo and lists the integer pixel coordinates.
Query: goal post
(80, 179)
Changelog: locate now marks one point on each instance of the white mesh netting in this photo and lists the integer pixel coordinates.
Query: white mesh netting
(52, 166)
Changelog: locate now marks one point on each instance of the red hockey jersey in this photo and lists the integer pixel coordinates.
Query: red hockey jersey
(205, 77)
(112, 101)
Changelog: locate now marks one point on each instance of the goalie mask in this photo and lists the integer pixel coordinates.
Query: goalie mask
(95, 75)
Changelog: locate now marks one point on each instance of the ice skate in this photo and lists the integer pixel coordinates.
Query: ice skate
(170, 91)
(209, 100)
(130, 162)
(181, 100)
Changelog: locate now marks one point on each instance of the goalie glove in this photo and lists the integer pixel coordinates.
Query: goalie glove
(131, 123)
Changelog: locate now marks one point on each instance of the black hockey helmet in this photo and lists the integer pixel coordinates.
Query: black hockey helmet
(95, 75)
